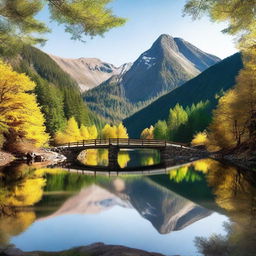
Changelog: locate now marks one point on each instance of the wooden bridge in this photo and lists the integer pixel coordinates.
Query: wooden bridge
(171, 153)
(122, 143)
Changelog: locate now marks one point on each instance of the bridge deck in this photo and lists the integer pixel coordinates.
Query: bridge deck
(122, 143)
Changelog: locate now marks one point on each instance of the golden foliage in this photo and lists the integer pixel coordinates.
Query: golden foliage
(179, 174)
(19, 111)
(121, 132)
(93, 133)
(14, 225)
(84, 132)
(95, 157)
(147, 161)
(27, 193)
(73, 133)
(234, 121)
(203, 165)
(200, 139)
(123, 159)
(147, 133)
(114, 131)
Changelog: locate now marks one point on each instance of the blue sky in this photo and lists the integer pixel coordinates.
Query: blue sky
(147, 19)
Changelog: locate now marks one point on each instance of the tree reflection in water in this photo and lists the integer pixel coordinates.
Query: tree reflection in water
(22, 187)
(233, 192)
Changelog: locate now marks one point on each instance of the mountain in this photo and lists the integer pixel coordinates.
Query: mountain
(206, 86)
(88, 72)
(168, 64)
(91, 200)
(166, 210)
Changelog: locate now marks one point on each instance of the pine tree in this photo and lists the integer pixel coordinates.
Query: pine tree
(161, 130)
(177, 117)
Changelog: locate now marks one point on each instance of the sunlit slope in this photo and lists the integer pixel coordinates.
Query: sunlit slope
(206, 86)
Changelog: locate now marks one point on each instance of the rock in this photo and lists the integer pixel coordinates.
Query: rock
(7, 211)
(12, 252)
(39, 158)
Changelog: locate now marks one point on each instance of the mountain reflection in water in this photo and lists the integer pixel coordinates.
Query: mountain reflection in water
(40, 206)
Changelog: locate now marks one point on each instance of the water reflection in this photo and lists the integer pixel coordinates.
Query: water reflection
(191, 201)
(126, 158)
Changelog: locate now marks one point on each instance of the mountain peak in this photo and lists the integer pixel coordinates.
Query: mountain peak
(165, 37)
(165, 41)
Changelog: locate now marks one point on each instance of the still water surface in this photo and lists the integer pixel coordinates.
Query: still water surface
(164, 213)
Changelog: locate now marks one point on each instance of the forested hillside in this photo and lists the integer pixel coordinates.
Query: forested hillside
(109, 102)
(207, 86)
(57, 93)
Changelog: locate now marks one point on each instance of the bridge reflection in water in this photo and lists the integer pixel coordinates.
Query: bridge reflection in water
(171, 154)
(105, 171)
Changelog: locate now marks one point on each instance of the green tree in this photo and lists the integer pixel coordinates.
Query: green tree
(19, 24)
(177, 117)
(161, 130)
(57, 92)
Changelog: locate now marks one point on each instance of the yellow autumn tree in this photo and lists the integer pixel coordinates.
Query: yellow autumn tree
(93, 132)
(200, 139)
(109, 132)
(84, 132)
(73, 133)
(234, 121)
(246, 100)
(70, 134)
(121, 131)
(113, 131)
(20, 115)
(147, 133)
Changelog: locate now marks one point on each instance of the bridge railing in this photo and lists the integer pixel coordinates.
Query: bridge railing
(121, 141)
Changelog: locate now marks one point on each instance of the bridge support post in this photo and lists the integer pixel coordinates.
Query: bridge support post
(163, 155)
(113, 157)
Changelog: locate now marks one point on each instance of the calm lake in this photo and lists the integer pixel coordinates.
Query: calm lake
(58, 210)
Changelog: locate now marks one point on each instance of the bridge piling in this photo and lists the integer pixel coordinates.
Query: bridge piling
(113, 157)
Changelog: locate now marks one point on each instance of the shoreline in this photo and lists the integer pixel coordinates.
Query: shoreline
(53, 157)
(92, 249)
(6, 158)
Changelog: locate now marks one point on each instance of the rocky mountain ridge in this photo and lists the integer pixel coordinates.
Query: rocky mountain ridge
(89, 72)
